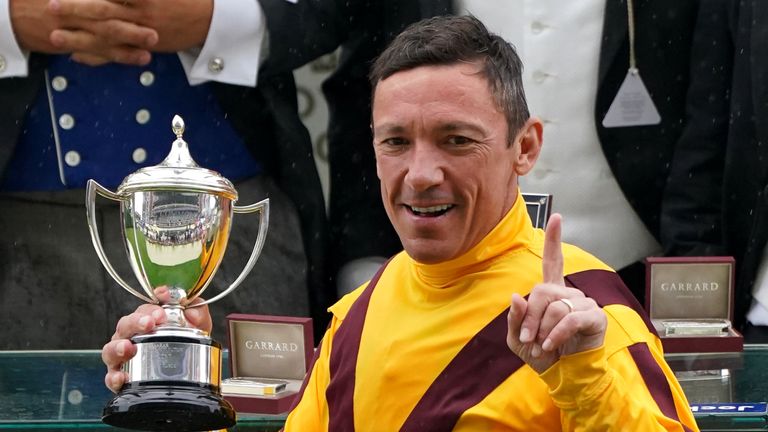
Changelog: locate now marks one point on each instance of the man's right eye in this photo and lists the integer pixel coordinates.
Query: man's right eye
(395, 141)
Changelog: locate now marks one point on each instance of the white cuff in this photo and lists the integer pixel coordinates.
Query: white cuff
(232, 50)
(758, 314)
(13, 60)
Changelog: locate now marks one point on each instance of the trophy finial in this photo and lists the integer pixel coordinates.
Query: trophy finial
(178, 126)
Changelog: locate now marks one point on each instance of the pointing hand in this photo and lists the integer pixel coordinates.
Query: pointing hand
(555, 320)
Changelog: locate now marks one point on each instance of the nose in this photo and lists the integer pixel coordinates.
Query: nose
(424, 168)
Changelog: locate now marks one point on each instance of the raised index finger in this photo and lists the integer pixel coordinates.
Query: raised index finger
(552, 261)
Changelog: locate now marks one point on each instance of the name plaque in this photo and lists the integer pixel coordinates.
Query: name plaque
(759, 409)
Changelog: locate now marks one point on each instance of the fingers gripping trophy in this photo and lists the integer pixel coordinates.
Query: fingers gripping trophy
(176, 219)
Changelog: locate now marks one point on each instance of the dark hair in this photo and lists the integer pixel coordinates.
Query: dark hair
(447, 40)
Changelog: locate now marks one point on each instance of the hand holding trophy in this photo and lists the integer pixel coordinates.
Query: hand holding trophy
(176, 219)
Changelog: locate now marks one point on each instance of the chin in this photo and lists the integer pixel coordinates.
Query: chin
(427, 255)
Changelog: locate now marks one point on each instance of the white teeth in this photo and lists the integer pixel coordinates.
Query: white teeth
(433, 209)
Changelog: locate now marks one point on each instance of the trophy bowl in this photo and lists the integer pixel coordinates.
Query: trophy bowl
(176, 219)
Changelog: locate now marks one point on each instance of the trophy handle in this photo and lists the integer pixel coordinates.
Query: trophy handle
(263, 208)
(90, 206)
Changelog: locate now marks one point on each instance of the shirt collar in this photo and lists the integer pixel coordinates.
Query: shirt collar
(513, 233)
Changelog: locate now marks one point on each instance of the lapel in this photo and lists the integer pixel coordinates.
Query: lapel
(16, 94)
(614, 35)
(759, 68)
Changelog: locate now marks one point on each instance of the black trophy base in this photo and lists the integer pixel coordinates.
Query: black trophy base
(157, 407)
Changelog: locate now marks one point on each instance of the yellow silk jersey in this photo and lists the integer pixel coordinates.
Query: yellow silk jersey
(423, 348)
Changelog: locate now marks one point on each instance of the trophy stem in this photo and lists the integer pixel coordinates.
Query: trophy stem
(175, 316)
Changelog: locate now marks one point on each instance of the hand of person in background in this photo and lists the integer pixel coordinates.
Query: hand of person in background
(90, 29)
(127, 31)
(555, 320)
(144, 320)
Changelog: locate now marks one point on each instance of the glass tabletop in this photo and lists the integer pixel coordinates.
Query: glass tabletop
(720, 385)
(56, 390)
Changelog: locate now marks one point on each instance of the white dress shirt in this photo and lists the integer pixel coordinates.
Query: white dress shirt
(559, 43)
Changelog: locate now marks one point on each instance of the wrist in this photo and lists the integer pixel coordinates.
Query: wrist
(32, 25)
(186, 32)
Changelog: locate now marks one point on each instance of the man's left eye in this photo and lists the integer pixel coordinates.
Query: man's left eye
(459, 140)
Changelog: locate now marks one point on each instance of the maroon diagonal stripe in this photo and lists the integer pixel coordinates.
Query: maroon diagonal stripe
(607, 288)
(655, 380)
(481, 366)
(343, 362)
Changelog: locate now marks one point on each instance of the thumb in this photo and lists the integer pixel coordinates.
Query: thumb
(552, 260)
(199, 317)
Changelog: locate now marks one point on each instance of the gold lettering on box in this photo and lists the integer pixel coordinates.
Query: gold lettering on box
(688, 286)
(271, 346)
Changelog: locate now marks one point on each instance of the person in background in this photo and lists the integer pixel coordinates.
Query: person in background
(716, 201)
(577, 56)
(432, 343)
(68, 121)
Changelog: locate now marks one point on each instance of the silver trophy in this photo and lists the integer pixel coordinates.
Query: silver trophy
(176, 219)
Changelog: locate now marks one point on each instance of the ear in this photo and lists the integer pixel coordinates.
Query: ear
(530, 140)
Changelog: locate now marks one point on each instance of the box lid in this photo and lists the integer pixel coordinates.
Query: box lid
(269, 346)
(689, 287)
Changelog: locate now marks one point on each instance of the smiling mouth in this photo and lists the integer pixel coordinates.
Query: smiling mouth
(433, 211)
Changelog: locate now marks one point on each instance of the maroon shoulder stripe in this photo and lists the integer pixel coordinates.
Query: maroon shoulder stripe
(655, 380)
(486, 359)
(606, 288)
(343, 362)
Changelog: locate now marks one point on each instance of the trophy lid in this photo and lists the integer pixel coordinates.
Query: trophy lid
(178, 172)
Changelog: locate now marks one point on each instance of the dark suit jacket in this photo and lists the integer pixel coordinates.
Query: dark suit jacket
(640, 156)
(717, 200)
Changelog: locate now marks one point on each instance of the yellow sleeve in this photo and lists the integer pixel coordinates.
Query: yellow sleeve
(311, 413)
(598, 391)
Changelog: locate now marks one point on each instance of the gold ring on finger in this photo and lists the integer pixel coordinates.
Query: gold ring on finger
(568, 303)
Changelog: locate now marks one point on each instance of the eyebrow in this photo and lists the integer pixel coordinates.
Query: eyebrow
(393, 128)
(388, 128)
(460, 125)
